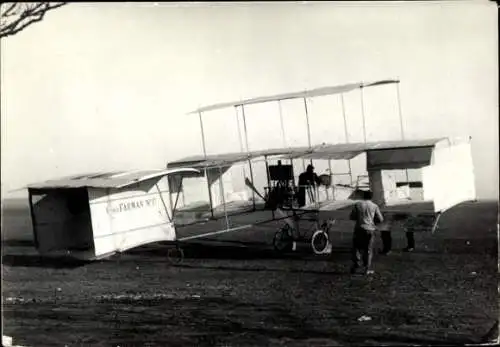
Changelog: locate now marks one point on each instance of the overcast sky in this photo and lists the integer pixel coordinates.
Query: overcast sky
(107, 86)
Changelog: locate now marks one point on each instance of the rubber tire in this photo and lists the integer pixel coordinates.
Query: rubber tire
(321, 236)
(175, 256)
(283, 235)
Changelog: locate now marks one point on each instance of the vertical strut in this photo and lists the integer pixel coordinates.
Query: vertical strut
(202, 136)
(308, 130)
(248, 152)
(268, 174)
(33, 218)
(221, 186)
(239, 128)
(346, 134)
(282, 124)
(401, 123)
(239, 137)
(307, 121)
(400, 112)
(170, 184)
(363, 113)
(206, 171)
(331, 181)
(245, 127)
(209, 194)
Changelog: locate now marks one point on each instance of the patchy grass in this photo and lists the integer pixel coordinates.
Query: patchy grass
(443, 293)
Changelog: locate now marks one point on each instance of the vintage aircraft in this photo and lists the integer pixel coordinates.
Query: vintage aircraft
(96, 215)
(438, 159)
(435, 160)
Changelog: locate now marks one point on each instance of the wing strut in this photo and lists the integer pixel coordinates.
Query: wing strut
(221, 186)
(202, 136)
(308, 127)
(363, 112)
(240, 139)
(249, 160)
(206, 171)
(170, 218)
(346, 134)
(282, 124)
(400, 113)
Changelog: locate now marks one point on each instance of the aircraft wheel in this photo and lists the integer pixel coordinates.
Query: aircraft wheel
(320, 242)
(175, 255)
(283, 240)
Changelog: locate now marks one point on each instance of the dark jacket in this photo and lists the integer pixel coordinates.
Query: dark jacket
(309, 178)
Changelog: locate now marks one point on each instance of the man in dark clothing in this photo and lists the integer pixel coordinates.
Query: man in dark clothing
(307, 179)
(387, 237)
(410, 241)
(366, 214)
(387, 241)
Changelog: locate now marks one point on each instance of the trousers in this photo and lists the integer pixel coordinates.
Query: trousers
(362, 248)
(301, 196)
(410, 239)
(386, 240)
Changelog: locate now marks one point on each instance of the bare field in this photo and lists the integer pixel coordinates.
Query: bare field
(243, 294)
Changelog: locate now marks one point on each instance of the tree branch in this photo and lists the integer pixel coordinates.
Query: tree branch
(17, 16)
(9, 9)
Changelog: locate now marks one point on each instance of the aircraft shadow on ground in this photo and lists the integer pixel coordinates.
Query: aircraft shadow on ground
(18, 243)
(24, 260)
(244, 252)
(200, 252)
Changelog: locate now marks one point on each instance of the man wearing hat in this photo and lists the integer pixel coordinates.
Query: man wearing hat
(307, 179)
(366, 214)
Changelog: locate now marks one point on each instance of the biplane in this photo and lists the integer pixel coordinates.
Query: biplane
(415, 205)
(93, 216)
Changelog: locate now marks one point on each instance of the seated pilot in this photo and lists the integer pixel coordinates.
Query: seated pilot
(307, 179)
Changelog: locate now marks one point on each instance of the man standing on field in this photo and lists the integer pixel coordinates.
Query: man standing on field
(366, 214)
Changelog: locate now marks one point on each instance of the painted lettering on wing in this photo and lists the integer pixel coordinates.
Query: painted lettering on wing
(131, 205)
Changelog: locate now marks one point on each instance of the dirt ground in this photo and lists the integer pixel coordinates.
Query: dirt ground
(244, 294)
